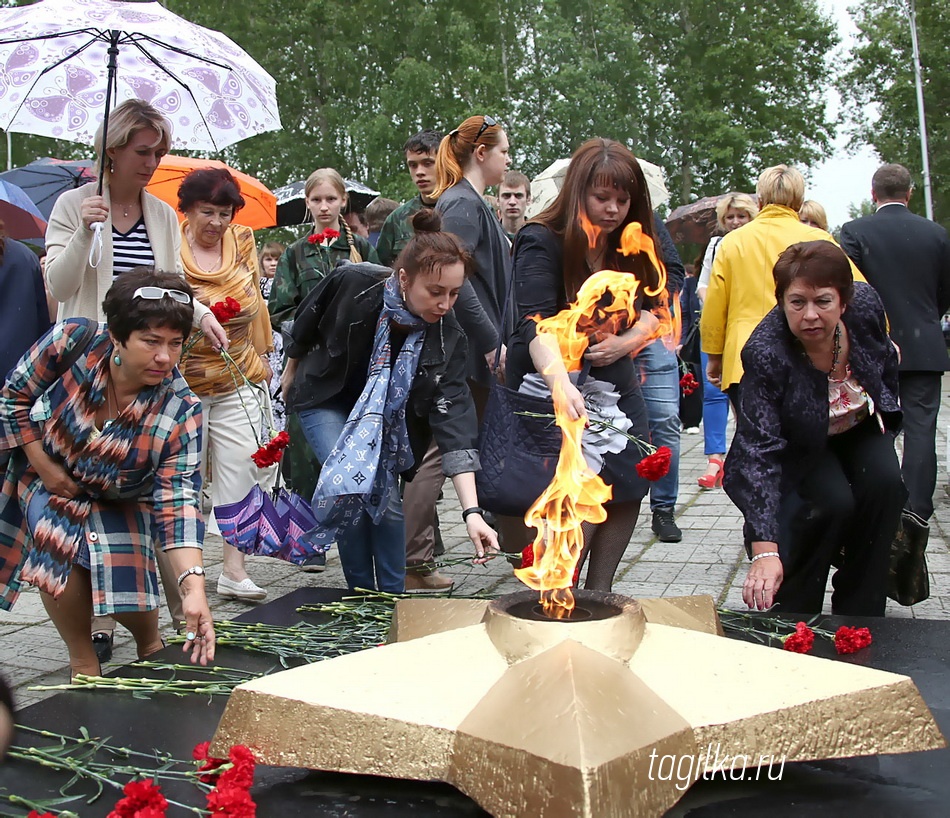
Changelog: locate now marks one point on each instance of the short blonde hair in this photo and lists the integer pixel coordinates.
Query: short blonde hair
(781, 185)
(126, 120)
(740, 201)
(812, 211)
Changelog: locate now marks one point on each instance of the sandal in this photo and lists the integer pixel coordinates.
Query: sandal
(712, 481)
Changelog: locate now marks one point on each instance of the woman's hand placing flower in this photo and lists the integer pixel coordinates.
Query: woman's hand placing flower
(483, 537)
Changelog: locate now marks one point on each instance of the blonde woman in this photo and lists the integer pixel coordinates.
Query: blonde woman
(302, 265)
(813, 214)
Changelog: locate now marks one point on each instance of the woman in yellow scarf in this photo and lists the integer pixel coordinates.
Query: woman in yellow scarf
(220, 263)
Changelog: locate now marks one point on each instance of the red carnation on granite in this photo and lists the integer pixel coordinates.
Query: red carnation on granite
(143, 799)
(801, 641)
(851, 640)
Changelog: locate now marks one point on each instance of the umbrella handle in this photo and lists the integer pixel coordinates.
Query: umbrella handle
(95, 251)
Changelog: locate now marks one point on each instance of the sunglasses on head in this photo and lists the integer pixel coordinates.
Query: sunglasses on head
(487, 122)
(157, 293)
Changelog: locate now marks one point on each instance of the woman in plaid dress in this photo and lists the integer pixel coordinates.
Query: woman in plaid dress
(100, 459)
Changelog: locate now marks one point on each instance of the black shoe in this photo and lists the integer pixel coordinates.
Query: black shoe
(102, 645)
(315, 564)
(664, 527)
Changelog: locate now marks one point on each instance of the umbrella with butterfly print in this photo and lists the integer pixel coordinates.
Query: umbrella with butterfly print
(66, 62)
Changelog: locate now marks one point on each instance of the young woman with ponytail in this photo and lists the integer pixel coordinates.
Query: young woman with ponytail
(302, 265)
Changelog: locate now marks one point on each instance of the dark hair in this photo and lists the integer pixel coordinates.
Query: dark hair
(214, 185)
(457, 147)
(125, 314)
(426, 141)
(818, 263)
(891, 182)
(600, 162)
(377, 212)
(430, 249)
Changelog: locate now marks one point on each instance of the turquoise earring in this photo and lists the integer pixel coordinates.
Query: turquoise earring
(117, 360)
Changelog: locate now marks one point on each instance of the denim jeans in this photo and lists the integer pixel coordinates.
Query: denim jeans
(373, 556)
(660, 384)
(715, 414)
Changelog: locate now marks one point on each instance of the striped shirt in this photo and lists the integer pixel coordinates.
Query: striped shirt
(132, 249)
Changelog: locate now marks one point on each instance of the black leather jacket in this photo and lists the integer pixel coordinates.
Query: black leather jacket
(333, 334)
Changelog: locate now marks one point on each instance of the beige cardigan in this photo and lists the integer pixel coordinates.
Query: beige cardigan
(79, 287)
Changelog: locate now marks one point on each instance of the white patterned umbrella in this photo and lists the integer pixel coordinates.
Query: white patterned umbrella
(55, 73)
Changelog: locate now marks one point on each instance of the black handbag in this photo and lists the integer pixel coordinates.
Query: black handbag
(518, 454)
(909, 582)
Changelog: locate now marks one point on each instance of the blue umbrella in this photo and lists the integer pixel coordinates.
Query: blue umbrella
(21, 218)
(44, 180)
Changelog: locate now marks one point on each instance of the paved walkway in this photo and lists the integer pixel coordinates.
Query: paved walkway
(709, 560)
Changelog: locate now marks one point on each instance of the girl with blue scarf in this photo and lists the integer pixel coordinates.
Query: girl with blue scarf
(376, 369)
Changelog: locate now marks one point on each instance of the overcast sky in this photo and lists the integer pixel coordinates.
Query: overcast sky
(842, 180)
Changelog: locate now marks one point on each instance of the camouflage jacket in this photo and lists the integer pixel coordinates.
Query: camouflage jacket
(397, 230)
(301, 266)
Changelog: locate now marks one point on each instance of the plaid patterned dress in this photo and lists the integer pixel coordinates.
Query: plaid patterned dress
(156, 496)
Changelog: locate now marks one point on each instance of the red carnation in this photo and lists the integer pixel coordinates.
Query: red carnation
(314, 238)
(34, 814)
(211, 764)
(656, 465)
(231, 802)
(330, 234)
(688, 384)
(801, 641)
(225, 310)
(272, 451)
(143, 799)
(527, 556)
(851, 640)
(241, 774)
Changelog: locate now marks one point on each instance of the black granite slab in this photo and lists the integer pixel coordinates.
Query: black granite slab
(911, 785)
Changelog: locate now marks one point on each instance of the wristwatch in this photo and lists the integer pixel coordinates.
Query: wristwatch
(472, 510)
(195, 570)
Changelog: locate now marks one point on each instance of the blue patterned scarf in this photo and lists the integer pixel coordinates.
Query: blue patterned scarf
(373, 448)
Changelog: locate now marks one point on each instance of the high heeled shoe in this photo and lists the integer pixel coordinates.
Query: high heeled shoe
(712, 481)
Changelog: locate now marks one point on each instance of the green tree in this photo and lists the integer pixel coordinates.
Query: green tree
(878, 87)
(740, 87)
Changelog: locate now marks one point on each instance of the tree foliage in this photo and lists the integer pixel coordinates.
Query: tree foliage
(710, 91)
(879, 89)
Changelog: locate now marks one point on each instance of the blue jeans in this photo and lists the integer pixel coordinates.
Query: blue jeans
(660, 384)
(373, 556)
(715, 414)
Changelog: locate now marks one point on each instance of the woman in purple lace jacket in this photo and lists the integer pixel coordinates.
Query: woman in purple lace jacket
(812, 466)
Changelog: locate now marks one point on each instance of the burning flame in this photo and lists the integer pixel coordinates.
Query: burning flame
(605, 305)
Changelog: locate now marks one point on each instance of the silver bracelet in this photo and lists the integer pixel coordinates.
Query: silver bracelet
(195, 570)
(766, 554)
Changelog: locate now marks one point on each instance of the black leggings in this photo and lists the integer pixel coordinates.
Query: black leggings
(846, 509)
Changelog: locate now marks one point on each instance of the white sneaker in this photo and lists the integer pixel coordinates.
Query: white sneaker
(245, 589)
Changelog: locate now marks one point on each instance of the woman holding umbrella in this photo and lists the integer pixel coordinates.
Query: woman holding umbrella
(137, 229)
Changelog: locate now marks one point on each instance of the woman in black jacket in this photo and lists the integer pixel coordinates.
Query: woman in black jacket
(812, 466)
(376, 368)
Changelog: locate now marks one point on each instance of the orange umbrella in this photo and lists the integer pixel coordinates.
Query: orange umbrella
(260, 206)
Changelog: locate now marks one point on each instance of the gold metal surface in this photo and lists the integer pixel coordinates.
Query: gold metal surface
(572, 712)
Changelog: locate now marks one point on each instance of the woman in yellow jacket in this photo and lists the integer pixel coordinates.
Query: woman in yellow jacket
(741, 289)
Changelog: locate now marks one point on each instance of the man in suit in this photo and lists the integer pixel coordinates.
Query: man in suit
(906, 258)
